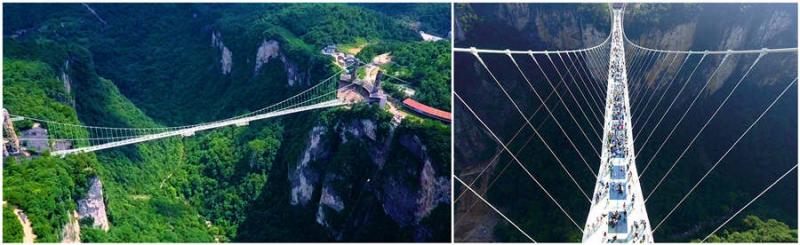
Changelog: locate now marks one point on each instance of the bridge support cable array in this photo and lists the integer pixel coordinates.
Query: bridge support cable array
(584, 61)
(691, 142)
(638, 116)
(658, 78)
(660, 98)
(689, 108)
(635, 110)
(569, 139)
(687, 80)
(493, 208)
(641, 80)
(748, 203)
(598, 67)
(637, 65)
(499, 141)
(638, 70)
(592, 81)
(585, 87)
(617, 213)
(569, 91)
(714, 166)
(569, 112)
(516, 134)
(536, 131)
(65, 138)
(589, 103)
(502, 171)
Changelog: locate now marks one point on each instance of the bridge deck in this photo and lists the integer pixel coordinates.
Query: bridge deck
(190, 131)
(618, 213)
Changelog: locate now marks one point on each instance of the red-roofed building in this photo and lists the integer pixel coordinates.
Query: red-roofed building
(427, 110)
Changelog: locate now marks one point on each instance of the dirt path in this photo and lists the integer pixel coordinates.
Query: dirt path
(27, 230)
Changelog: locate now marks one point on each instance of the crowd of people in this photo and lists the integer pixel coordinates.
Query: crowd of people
(613, 194)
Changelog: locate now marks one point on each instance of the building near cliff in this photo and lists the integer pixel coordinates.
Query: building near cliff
(427, 110)
(35, 139)
(376, 95)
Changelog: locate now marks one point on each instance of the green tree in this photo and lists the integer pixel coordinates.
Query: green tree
(753, 229)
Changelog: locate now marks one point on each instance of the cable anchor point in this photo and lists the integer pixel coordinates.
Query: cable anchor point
(474, 51)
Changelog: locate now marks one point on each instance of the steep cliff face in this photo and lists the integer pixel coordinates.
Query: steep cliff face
(711, 28)
(72, 230)
(304, 177)
(93, 205)
(529, 26)
(226, 56)
(271, 49)
(345, 162)
(66, 79)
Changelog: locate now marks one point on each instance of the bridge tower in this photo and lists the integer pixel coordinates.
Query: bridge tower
(618, 213)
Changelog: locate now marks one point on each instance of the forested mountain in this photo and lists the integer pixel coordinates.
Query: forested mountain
(154, 65)
(765, 153)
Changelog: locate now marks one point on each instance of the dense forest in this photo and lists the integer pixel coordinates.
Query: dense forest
(761, 156)
(100, 64)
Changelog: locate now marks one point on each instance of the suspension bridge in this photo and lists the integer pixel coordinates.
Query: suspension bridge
(66, 138)
(609, 100)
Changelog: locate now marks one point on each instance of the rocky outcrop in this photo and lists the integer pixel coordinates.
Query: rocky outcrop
(359, 129)
(72, 230)
(268, 49)
(407, 206)
(226, 56)
(678, 38)
(304, 176)
(65, 78)
(13, 146)
(93, 205)
(734, 39)
(428, 37)
(329, 201)
(271, 49)
(778, 22)
(405, 193)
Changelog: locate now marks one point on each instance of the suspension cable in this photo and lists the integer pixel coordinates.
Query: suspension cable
(670, 105)
(569, 139)
(493, 208)
(589, 103)
(491, 183)
(726, 153)
(683, 116)
(748, 203)
(645, 87)
(496, 155)
(650, 115)
(664, 86)
(566, 107)
(591, 96)
(517, 160)
(478, 57)
(640, 78)
(581, 60)
(702, 128)
(569, 91)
